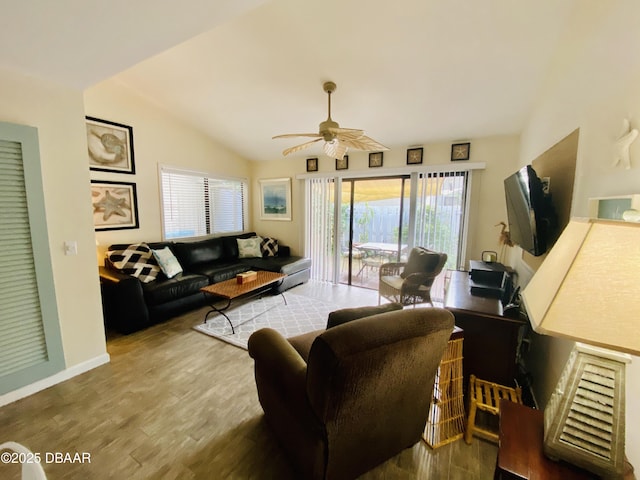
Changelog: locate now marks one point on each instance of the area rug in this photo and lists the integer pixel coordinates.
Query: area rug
(300, 315)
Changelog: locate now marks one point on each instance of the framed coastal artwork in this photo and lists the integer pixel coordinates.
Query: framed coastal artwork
(342, 163)
(414, 156)
(115, 206)
(275, 199)
(375, 159)
(110, 146)
(460, 151)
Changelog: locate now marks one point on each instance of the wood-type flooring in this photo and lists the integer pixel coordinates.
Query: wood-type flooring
(176, 404)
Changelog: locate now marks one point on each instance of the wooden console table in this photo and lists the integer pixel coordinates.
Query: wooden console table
(490, 338)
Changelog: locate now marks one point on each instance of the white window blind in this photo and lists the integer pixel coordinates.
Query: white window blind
(195, 204)
(320, 227)
(441, 211)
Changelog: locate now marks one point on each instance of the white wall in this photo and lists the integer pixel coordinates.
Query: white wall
(159, 138)
(500, 153)
(58, 115)
(593, 84)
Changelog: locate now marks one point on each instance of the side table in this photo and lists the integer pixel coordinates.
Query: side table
(520, 454)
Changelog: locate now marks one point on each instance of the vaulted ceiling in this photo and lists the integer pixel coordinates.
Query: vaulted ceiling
(409, 72)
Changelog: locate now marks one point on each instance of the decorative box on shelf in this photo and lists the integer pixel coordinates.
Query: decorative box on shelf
(247, 277)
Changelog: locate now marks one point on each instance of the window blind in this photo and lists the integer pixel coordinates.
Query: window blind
(22, 337)
(195, 204)
(440, 213)
(320, 227)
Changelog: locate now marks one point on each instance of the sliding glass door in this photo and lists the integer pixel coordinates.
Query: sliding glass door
(353, 225)
(373, 227)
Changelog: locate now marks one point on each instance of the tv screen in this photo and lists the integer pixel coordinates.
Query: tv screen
(529, 210)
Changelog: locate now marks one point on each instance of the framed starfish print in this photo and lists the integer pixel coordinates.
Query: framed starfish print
(115, 205)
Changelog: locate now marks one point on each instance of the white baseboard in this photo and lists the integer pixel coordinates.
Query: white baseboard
(54, 379)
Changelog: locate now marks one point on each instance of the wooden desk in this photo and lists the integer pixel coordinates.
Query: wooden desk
(490, 339)
(520, 454)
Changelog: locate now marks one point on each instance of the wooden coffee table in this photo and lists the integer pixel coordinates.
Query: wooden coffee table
(231, 290)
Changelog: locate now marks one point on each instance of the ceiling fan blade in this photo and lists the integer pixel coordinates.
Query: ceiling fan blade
(289, 135)
(363, 143)
(335, 149)
(302, 146)
(347, 132)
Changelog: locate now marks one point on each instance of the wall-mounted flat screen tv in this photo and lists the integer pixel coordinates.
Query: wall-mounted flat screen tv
(530, 212)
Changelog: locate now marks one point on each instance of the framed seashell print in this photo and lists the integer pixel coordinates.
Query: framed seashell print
(110, 146)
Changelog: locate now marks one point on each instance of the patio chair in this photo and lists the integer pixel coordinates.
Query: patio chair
(410, 282)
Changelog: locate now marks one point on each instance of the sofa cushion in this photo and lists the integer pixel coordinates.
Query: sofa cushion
(221, 271)
(136, 260)
(171, 289)
(167, 261)
(194, 253)
(269, 247)
(286, 265)
(249, 247)
(230, 243)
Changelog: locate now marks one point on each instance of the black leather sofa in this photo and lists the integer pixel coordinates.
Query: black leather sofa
(130, 305)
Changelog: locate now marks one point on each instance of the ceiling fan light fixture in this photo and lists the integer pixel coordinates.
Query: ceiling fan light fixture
(335, 149)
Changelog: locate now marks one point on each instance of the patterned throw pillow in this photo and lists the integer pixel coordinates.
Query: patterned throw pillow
(269, 247)
(168, 262)
(249, 247)
(137, 260)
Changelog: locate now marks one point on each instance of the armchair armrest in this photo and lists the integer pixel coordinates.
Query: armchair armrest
(278, 363)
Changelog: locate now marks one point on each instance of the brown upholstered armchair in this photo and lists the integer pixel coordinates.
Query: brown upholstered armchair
(359, 397)
(410, 282)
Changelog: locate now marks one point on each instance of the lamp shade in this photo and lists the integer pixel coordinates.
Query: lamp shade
(588, 287)
(588, 290)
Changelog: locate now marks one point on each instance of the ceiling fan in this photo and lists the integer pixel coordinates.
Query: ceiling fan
(337, 140)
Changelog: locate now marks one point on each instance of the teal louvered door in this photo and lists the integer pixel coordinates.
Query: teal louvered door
(30, 343)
